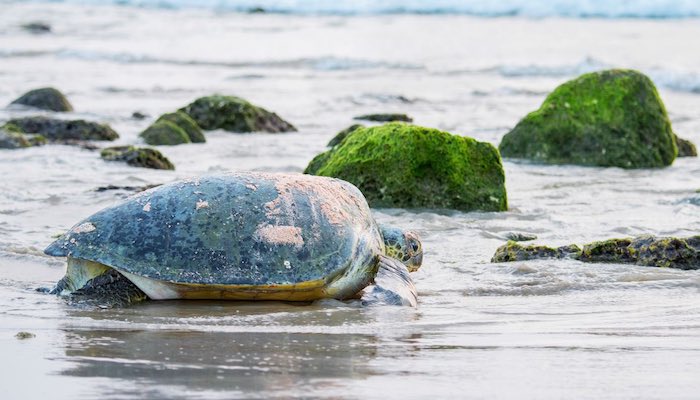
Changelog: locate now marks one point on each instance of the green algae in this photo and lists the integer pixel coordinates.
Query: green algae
(611, 118)
(137, 157)
(234, 114)
(514, 251)
(408, 166)
(187, 124)
(164, 133)
(12, 137)
(646, 250)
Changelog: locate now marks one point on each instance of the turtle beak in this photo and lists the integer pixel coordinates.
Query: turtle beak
(415, 262)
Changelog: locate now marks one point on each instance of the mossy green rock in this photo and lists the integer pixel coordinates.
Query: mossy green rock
(234, 114)
(187, 124)
(137, 156)
(686, 148)
(11, 137)
(647, 250)
(611, 118)
(408, 166)
(340, 136)
(164, 133)
(46, 99)
(65, 130)
(514, 251)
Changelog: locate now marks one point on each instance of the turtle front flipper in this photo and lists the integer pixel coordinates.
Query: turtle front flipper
(392, 285)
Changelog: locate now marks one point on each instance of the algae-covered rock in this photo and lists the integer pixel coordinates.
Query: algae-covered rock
(666, 252)
(385, 118)
(187, 124)
(343, 134)
(137, 156)
(686, 148)
(11, 137)
(399, 165)
(611, 118)
(647, 250)
(164, 133)
(65, 130)
(514, 251)
(46, 99)
(234, 114)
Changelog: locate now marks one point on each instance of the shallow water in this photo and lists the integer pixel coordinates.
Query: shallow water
(544, 329)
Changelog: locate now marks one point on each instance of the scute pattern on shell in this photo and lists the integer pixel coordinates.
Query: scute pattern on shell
(256, 229)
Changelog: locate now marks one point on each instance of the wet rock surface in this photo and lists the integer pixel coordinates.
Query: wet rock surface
(49, 99)
(408, 166)
(137, 157)
(647, 250)
(64, 130)
(234, 114)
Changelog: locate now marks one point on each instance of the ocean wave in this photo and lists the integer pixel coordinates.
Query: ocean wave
(527, 8)
(680, 81)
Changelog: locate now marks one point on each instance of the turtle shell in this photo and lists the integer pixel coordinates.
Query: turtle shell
(238, 229)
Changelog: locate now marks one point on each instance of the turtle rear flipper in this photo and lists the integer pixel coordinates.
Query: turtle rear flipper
(392, 285)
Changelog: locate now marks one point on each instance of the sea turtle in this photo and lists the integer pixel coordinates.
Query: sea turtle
(240, 236)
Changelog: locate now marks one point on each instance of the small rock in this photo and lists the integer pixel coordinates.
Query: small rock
(520, 236)
(256, 10)
(137, 157)
(37, 27)
(164, 133)
(385, 117)
(686, 148)
(138, 115)
(11, 137)
(343, 134)
(46, 99)
(187, 124)
(234, 114)
(25, 335)
(135, 189)
(65, 130)
(513, 251)
(646, 250)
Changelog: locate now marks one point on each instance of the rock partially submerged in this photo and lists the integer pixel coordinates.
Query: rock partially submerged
(187, 124)
(385, 117)
(234, 114)
(12, 137)
(686, 148)
(340, 136)
(46, 99)
(164, 133)
(137, 157)
(399, 165)
(611, 118)
(64, 130)
(173, 128)
(647, 250)
(37, 27)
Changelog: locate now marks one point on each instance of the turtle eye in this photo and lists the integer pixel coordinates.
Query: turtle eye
(415, 246)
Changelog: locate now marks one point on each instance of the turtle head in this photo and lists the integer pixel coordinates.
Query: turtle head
(404, 246)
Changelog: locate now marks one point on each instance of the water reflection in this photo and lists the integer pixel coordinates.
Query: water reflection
(177, 350)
